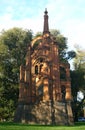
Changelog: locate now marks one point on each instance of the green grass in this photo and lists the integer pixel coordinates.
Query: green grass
(13, 126)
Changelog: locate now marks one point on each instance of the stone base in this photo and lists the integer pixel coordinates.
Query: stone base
(45, 113)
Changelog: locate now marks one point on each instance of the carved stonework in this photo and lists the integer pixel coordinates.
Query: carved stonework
(45, 87)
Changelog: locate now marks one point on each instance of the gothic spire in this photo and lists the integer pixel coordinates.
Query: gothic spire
(46, 26)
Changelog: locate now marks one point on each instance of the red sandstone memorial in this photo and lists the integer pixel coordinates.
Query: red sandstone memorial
(44, 96)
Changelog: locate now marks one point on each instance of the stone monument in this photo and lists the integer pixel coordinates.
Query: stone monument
(45, 86)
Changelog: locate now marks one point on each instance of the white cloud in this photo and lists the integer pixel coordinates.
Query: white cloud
(7, 22)
(68, 16)
(75, 32)
(62, 15)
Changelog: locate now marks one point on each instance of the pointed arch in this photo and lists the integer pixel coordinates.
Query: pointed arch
(36, 69)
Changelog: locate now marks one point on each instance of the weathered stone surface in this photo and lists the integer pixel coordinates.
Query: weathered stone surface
(45, 113)
(45, 87)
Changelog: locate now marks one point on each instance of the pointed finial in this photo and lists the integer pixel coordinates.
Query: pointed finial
(46, 12)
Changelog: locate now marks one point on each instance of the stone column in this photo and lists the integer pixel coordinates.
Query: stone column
(21, 85)
(70, 114)
(68, 72)
(68, 92)
(68, 85)
(22, 72)
(45, 89)
(26, 77)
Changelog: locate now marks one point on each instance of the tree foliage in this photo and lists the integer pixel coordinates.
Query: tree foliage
(79, 69)
(78, 81)
(14, 43)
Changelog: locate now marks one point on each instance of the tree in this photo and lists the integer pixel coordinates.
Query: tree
(79, 62)
(14, 43)
(78, 81)
(79, 67)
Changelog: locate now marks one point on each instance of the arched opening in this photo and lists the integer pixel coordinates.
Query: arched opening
(39, 92)
(62, 73)
(63, 91)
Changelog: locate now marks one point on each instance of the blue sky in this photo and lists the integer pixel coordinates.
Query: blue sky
(68, 16)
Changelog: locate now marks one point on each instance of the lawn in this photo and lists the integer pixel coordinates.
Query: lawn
(13, 126)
